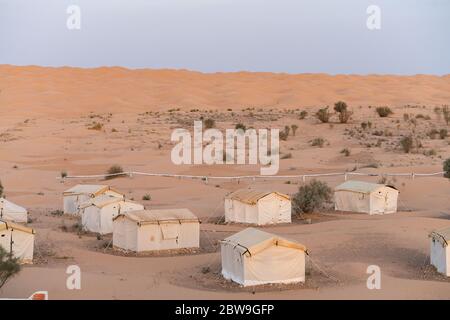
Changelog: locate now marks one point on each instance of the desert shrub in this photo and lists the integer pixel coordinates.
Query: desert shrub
(446, 114)
(447, 168)
(384, 111)
(209, 123)
(443, 133)
(287, 130)
(240, 126)
(96, 126)
(9, 266)
(340, 106)
(283, 135)
(63, 174)
(115, 170)
(1, 189)
(303, 114)
(57, 212)
(286, 156)
(323, 115)
(344, 116)
(318, 142)
(432, 133)
(407, 143)
(146, 197)
(430, 153)
(311, 196)
(345, 152)
(294, 128)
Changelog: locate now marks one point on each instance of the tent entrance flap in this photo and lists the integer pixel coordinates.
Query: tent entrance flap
(170, 231)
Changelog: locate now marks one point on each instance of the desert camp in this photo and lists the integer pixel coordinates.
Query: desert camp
(97, 214)
(158, 229)
(439, 250)
(18, 240)
(365, 197)
(257, 207)
(12, 212)
(81, 193)
(254, 257)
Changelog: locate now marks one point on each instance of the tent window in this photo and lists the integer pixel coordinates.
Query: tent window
(170, 231)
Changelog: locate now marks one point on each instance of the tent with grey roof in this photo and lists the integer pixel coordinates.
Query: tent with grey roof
(12, 212)
(366, 197)
(439, 250)
(159, 229)
(254, 257)
(257, 207)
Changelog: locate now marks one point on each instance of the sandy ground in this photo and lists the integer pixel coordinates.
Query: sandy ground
(44, 129)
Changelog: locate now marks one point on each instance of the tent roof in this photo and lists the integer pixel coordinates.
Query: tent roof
(5, 225)
(252, 241)
(442, 236)
(160, 215)
(11, 207)
(252, 196)
(360, 186)
(101, 201)
(91, 189)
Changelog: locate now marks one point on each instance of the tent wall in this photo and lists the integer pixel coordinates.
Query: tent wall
(12, 212)
(71, 202)
(352, 201)
(232, 263)
(276, 264)
(23, 244)
(383, 201)
(90, 219)
(440, 257)
(165, 236)
(274, 209)
(125, 234)
(237, 211)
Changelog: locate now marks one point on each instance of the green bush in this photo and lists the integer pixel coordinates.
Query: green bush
(146, 197)
(323, 115)
(9, 266)
(311, 196)
(447, 168)
(383, 112)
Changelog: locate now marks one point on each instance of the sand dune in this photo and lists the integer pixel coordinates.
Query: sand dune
(56, 90)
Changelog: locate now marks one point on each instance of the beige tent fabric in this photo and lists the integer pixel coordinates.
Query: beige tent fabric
(365, 197)
(90, 189)
(150, 230)
(12, 212)
(254, 257)
(20, 238)
(252, 196)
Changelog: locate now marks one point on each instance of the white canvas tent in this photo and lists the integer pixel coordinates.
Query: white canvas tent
(162, 229)
(439, 251)
(12, 212)
(81, 193)
(257, 207)
(360, 196)
(17, 239)
(97, 214)
(253, 257)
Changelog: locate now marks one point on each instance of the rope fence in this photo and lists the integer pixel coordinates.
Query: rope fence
(254, 177)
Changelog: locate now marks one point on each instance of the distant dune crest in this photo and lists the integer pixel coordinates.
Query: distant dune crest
(114, 89)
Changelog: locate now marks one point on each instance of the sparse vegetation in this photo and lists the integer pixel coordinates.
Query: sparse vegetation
(340, 106)
(240, 126)
(115, 171)
(384, 112)
(1, 189)
(303, 114)
(311, 196)
(407, 143)
(209, 123)
(446, 113)
(146, 197)
(286, 156)
(96, 126)
(63, 174)
(345, 152)
(9, 266)
(447, 168)
(318, 142)
(443, 133)
(323, 115)
(294, 128)
(57, 212)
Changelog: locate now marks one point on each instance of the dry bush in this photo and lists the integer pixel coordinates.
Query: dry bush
(447, 168)
(384, 112)
(323, 115)
(311, 196)
(116, 170)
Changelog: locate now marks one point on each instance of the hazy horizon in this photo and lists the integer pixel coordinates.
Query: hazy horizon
(283, 36)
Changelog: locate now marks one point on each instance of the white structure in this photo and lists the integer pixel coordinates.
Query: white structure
(81, 193)
(439, 251)
(253, 257)
(97, 214)
(12, 212)
(257, 207)
(156, 230)
(17, 239)
(360, 196)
